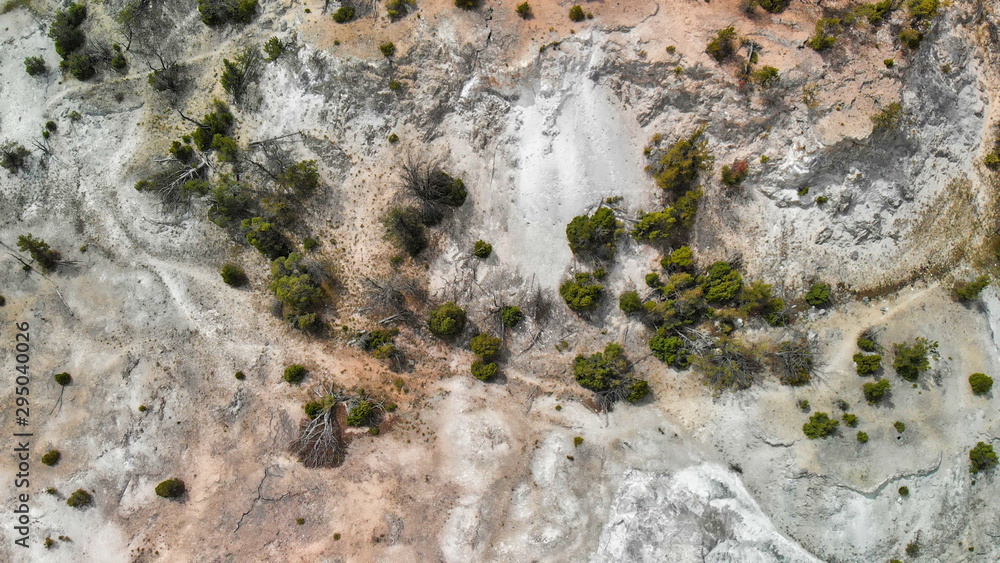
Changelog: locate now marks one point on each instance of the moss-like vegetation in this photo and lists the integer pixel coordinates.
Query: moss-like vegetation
(524, 10)
(482, 249)
(980, 383)
(171, 488)
(484, 371)
(51, 457)
(850, 420)
(63, 378)
(577, 14)
(79, 499)
(485, 346)
(862, 437)
(899, 426)
(388, 49)
(233, 275)
(294, 374)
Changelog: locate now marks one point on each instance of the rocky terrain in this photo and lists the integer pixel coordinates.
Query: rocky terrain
(543, 119)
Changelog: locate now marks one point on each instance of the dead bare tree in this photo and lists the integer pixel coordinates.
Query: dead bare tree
(386, 297)
(796, 361)
(435, 190)
(733, 364)
(320, 437)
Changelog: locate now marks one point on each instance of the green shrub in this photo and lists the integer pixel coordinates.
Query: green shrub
(654, 227)
(309, 243)
(40, 251)
(397, 9)
(233, 275)
(482, 249)
(467, 4)
(683, 257)
(594, 234)
(899, 426)
(889, 63)
(361, 415)
(301, 178)
(721, 282)
(911, 359)
(35, 66)
(511, 316)
(79, 65)
(867, 364)
(242, 72)
(524, 10)
(64, 29)
(980, 383)
(219, 12)
(294, 373)
(866, 343)
(602, 371)
(820, 425)
(876, 13)
(485, 346)
(676, 169)
(484, 371)
(911, 38)
(79, 499)
(447, 320)
(293, 286)
(171, 488)
(218, 122)
(819, 295)
(766, 76)
(862, 437)
(393, 138)
(225, 148)
(118, 60)
(388, 49)
(240, 376)
(670, 350)
(982, 458)
(265, 237)
(723, 45)
(904, 491)
(758, 299)
(344, 14)
(888, 118)
(231, 201)
(968, 291)
(773, 6)
(637, 390)
(581, 292)
(273, 48)
(825, 34)
(850, 420)
(51, 457)
(733, 176)
(876, 391)
(629, 302)
(922, 11)
(65, 379)
(13, 156)
(404, 227)
(577, 14)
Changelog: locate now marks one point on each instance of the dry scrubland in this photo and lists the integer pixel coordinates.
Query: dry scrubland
(543, 119)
